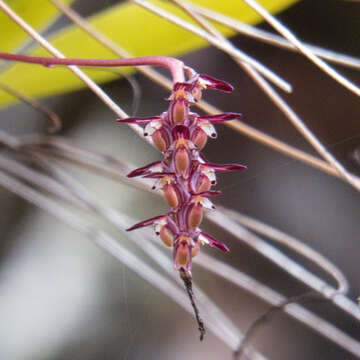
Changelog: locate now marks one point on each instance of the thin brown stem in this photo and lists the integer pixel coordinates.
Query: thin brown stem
(186, 278)
(266, 316)
(237, 125)
(54, 119)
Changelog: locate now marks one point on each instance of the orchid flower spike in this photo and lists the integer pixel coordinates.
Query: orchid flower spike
(184, 175)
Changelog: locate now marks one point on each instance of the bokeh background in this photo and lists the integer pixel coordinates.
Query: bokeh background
(61, 297)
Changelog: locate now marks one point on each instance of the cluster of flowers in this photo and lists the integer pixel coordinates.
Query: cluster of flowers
(184, 175)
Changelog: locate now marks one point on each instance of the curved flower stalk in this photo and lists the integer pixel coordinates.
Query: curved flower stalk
(184, 175)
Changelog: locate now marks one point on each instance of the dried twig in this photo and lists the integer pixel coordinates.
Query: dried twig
(80, 74)
(265, 86)
(54, 119)
(276, 24)
(110, 245)
(341, 301)
(291, 267)
(212, 264)
(236, 124)
(186, 278)
(307, 297)
(77, 195)
(292, 243)
(223, 46)
(280, 259)
(273, 39)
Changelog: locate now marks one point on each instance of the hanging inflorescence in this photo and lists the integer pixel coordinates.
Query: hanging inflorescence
(184, 175)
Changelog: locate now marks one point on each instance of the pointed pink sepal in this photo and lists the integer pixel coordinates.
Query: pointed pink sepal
(158, 175)
(214, 119)
(212, 242)
(216, 84)
(146, 222)
(225, 167)
(143, 170)
(210, 193)
(134, 120)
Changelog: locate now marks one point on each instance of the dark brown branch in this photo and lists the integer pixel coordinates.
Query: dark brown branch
(186, 278)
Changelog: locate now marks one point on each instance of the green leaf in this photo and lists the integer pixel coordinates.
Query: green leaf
(39, 14)
(136, 29)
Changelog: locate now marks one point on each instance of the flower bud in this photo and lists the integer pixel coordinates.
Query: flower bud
(194, 215)
(172, 195)
(182, 254)
(182, 161)
(182, 157)
(179, 111)
(161, 139)
(199, 138)
(166, 236)
(203, 184)
(195, 250)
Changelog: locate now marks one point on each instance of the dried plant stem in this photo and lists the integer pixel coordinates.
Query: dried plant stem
(222, 46)
(275, 143)
(46, 45)
(268, 295)
(54, 119)
(98, 235)
(291, 242)
(301, 47)
(78, 196)
(110, 245)
(108, 43)
(186, 278)
(213, 312)
(288, 149)
(301, 273)
(317, 258)
(266, 87)
(290, 266)
(294, 268)
(70, 190)
(304, 298)
(236, 125)
(204, 260)
(304, 316)
(273, 39)
(199, 19)
(80, 74)
(209, 263)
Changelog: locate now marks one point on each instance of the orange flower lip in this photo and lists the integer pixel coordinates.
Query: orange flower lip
(180, 94)
(182, 143)
(183, 238)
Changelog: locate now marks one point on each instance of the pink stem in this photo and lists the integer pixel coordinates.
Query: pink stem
(175, 66)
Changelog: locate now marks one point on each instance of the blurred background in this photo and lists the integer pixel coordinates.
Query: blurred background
(61, 297)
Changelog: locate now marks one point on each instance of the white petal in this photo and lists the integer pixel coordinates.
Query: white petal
(152, 126)
(207, 204)
(209, 129)
(210, 173)
(203, 239)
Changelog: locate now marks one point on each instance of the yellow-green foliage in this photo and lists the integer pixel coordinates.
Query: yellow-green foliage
(137, 30)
